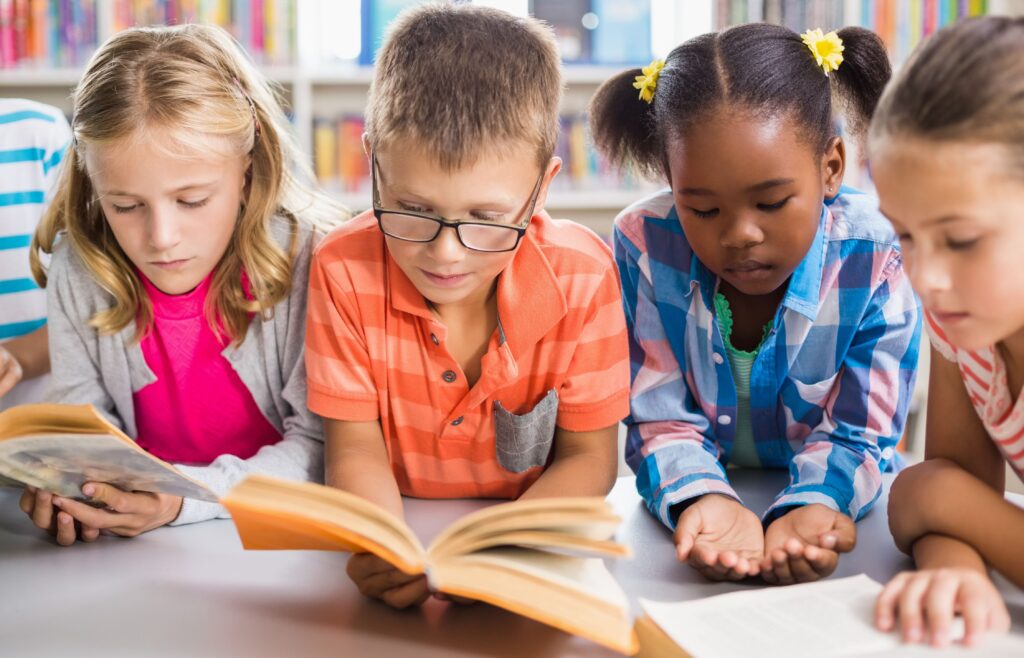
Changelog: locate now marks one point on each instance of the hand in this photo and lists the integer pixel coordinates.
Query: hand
(38, 505)
(11, 371)
(804, 544)
(126, 514)
(720, 538)
(379, 579)
(931, 597)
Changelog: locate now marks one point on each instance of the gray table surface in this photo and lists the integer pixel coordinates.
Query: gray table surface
(192, 591)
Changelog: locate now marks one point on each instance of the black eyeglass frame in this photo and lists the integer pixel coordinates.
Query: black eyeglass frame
(443, 222)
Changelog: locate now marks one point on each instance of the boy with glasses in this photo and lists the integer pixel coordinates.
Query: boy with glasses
(460, 342)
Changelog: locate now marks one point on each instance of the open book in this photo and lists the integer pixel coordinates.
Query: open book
(537, 558)
(816, 620)
(60, 447)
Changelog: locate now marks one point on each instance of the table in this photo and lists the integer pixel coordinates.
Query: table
(192, 591)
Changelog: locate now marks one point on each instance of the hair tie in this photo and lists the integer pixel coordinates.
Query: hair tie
(648, 82)
(252, 106)
(826, 48)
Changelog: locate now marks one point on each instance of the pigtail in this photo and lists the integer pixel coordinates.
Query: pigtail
(623, 126)
(858, 83)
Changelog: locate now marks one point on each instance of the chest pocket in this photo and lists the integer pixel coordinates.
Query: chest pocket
(524, 441)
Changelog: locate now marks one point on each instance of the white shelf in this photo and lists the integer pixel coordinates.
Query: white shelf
(558, 200)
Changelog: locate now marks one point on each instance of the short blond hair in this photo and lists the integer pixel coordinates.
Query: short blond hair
(195, 85)
(457, 79)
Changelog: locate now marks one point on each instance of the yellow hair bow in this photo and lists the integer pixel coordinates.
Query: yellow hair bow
(826, 48)
(647, 82)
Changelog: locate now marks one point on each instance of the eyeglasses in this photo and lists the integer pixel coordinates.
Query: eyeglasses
(425, 227)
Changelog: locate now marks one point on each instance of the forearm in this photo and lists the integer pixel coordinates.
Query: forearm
(941, 552)
(574, 475)
(32, 352)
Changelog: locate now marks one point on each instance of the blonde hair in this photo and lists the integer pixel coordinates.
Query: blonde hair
(196, 85)
(457, 79)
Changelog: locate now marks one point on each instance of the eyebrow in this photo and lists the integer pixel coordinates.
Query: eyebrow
(758, 187)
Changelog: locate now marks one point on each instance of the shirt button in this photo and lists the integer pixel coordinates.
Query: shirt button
(724, 420)
(887, 453)
(457, 421)
(449, 376)
(433, 338)
(717, 358)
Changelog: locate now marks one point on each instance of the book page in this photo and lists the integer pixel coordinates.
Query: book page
(826, 618)
(63, 463)
(577, 595)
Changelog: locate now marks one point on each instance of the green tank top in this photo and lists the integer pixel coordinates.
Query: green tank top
(744, 453)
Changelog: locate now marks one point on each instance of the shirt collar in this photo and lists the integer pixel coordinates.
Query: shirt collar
(804, 289)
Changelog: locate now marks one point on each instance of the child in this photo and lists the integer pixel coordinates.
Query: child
(180, 242)
(461, 343)
(770, 321)
(947, 156)
(33, 138)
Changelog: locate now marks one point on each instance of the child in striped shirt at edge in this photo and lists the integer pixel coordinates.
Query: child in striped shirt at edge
(771, 324)
(180, 244)
(947, 155)
(461, 343)
(33, 139)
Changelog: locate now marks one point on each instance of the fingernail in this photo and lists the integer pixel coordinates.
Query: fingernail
(56, 502)
(88, 490)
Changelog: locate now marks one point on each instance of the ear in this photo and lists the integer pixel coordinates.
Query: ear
(833, 165)
(367, 149)
(552, 169)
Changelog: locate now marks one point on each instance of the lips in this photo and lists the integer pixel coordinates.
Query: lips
(949, 317)
(444, 280)
(170, 264)
(747, 266)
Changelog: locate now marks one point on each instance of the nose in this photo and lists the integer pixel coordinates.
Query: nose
(164, 231)
(742, 233)
(446, 247)
(929, 274)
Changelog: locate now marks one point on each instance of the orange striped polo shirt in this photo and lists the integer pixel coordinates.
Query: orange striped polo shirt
(374, 351)
(984, 374)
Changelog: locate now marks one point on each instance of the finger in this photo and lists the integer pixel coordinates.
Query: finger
(88, 533)
(769, 576)
(377, 585)
(113, 498)
(843, 535)
(780, 566)
(687, 530)
(911, 617)
(10, 374)
(801, 569)
(821, 560)
(703, 557)
(89, 515)
(27, 502)
(43, 513)
(410, 594)
(885, 604)
(939, 600)
(65, 529)
(363, 565)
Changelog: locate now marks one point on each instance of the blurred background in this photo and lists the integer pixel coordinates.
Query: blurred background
(320, 53)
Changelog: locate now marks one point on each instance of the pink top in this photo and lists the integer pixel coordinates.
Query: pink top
(198, 408)
(984, 375)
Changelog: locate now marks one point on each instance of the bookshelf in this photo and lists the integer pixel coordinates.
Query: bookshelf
(312, 88)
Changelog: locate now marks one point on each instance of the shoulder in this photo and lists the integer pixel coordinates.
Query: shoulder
(855, 216)
(353, 251)
(44, 123)
(657, 210)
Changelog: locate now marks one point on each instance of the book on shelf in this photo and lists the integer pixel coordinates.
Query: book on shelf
(566, 19)
(64, 33)
(60, 447)
(623, 33)
(541, 559)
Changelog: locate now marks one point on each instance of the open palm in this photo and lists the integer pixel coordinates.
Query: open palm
(720, 538)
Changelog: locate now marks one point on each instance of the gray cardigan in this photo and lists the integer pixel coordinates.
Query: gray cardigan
(106, 370)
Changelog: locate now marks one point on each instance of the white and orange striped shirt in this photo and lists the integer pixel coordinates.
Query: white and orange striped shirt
(374, 351)
(984, 375)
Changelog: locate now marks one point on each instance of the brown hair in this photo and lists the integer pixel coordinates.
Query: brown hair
(760, 68)
(966, 83)
(194, 83)
(456, 79)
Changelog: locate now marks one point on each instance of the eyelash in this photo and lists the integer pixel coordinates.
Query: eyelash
(961, 246)
(763, 207)
(191, 205)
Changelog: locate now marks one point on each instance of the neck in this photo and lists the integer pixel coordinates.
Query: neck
(482, 302)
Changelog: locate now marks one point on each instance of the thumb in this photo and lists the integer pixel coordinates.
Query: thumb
(844, 532)
(104, 495)
(687, 530)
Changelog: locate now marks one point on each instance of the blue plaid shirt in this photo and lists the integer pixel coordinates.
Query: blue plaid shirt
(831, 385)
